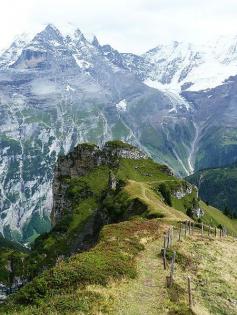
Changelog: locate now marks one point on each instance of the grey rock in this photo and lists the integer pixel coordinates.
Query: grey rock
(112, 181)
(183, 191)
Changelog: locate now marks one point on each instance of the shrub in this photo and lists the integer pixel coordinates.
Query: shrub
(166, 194)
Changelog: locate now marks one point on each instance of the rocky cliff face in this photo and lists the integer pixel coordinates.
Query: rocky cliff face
(80, 162)
(182, 191)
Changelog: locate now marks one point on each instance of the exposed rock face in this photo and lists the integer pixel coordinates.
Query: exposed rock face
(183, 191)
(165, 169)
(126, 153)
(112, 181)
(79, 162)
(198, 212)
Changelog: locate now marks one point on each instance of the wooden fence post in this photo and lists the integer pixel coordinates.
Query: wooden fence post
(193, 227)
(171, 235)
(202, 228)
(168, 238)
(164, 240)
(190, 302)
(172, 269)
(180, 231)
(164, 258)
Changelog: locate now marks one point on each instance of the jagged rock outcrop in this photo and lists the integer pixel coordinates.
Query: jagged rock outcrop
(79, 162)
(165, 169)
(198, 212)
(183, 190)
(112, 181)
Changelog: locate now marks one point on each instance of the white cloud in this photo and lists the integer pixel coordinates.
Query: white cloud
(134, 25)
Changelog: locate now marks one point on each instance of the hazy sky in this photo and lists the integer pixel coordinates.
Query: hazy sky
(128, 25)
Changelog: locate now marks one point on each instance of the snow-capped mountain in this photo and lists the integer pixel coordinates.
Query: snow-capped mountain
(58, 88)
(186, 66)
(9, 56)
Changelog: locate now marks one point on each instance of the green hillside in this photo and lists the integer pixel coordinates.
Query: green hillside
(131, 219)
(11, 254)
(137, 194)
(218, 187)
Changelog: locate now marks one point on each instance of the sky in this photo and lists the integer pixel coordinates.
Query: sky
(128, 25)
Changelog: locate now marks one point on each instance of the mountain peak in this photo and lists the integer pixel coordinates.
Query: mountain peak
(52, 27)
(50, 32)
(95, 42)
(78, 35)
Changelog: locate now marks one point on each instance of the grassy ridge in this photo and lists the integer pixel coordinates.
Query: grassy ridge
(137, 193)
(62, 283)
(65, 284)
(216, 217)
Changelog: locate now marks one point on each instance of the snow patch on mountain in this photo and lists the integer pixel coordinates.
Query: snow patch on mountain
(83, 64)
(122, 106)
(69, 88)
(10, 55)
(199, 67)
(172, 92)
(175, 87)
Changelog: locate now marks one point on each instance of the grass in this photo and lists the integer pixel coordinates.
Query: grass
(124, 275)
(135, 196)
(113, 258)
(61, 239)
(155, 205)
(216, 217)
(143, 179)
(84, 194)
(184, 203)
(97, 179)
(214, 292)
(145, 170)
